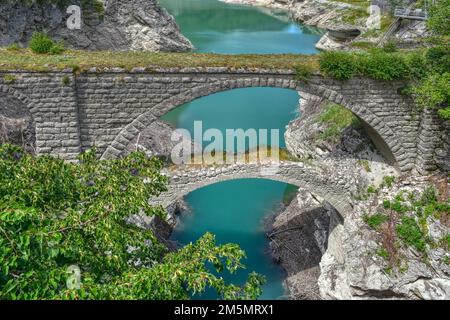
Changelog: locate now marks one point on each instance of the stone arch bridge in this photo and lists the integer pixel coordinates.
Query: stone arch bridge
(108, 109)
(324, 182)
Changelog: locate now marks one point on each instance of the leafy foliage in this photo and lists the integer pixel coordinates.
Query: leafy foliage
(377, 64)
(54, 215)
(409, 231)
(428, 70)
(405, 222)
(439, 16)
(338, 65)
(434, 91)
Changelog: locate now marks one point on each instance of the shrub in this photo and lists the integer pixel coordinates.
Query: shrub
(41, 43)
(429, 195)
(55, 214)
(303, 71)
(434, 91)
(418, 65)
(382, 66)
(438, 58)
(391, 46)
(439, 15)
(409, 231)
(388, 181)
(57, 48)
(9, 78)
(376, 220)
(338, 65)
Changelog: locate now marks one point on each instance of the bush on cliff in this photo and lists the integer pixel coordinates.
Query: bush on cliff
(63, 234)
(41, 43)
(376, 64)
(428, 71)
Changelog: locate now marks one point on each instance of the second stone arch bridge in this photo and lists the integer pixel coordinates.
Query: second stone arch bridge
(331, 185)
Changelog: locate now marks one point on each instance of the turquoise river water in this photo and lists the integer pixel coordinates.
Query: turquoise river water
(235, 210)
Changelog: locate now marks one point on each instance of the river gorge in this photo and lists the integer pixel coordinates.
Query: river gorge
(355, 206)
(235, 210)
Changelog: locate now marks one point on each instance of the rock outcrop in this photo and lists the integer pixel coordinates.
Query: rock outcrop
(364, 273)
(299, 236)
(115, 25)
(351, 266)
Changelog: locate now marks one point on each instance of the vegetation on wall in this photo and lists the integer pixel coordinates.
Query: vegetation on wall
(428, 71)
(335, 118)
(439, 16)
(58, 218)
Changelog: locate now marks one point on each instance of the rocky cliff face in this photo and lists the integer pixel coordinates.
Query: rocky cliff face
(354, 261)
(299, 238)
(363, 269)
(117, 25)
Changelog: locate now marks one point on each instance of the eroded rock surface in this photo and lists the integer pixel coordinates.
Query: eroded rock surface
(354, 265)
(121, 25)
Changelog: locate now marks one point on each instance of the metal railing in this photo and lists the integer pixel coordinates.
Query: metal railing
(409, 13)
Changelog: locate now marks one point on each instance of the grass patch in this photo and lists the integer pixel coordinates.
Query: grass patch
(364, 164)
(353, 15)
(9, 78)
(13, 47)
(410, 232)
(336, 118)
(362, 45)
(26, 60)
(376, 220)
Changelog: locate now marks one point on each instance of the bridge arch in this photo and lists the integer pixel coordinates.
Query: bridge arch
(331, 186)
(378, 128)
(21, 117)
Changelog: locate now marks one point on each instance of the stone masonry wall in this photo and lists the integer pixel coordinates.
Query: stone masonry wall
(108, 109)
